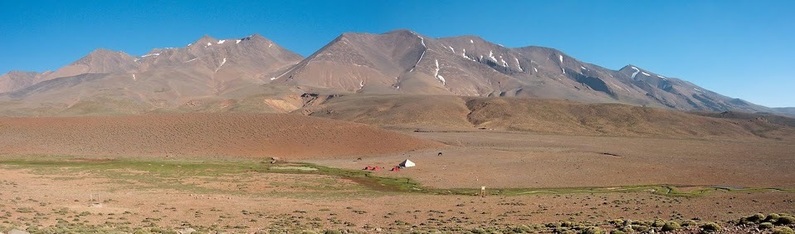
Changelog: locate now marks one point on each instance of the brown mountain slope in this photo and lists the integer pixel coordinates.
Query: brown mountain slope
(204, 135)
(535, 115)
(405, 62)
(207, 75)
(16, 80)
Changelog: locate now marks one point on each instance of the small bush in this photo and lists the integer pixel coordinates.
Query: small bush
(783, 230)
(593, 230)
(640, 228)
(671, 226)
(689, 223)
(617, 232)
(773, 218)
(710, 227)
(658, 223)
(785, 220)
(766, 225)
(756, 218)
(332, 232)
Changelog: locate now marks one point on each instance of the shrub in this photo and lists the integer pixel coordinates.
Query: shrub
(617, 232)
(593, 230)
(689, 223)
(332, 232)
(773, 217)
(784, 220)
(640, 228)
(766, 225)
(710, 227)
(756, 218)
(658, 223)
(783, 230)
(670, 226)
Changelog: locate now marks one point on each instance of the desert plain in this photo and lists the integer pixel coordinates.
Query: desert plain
(289, 173)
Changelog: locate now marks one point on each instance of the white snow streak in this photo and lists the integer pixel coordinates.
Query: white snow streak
(451, 49)
(422, 41)
(191, 60)
(561, 58)
(504, 64)
(152, 54)
(535, 69)
(238, 41)
(635, 73)
(273, 78)
(418, 61)
(134, 77)
(663, 77)
(436, 74)
(361, 84)
(209, 43)
(471, 41)
(221, 41)
(491, 55)
(581, 67)
(270, 45)
(518, 64)
(645, 74)
(222, 64)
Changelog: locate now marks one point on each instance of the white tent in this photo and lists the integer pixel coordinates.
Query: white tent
(407, 163)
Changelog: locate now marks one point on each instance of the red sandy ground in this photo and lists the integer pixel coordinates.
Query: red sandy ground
(290, 137)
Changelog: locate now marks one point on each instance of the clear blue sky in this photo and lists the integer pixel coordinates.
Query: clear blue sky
(738, 48)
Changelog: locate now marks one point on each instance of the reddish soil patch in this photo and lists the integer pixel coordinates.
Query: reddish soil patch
(201, 135)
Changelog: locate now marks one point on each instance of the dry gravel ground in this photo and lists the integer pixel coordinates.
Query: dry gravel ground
(80, 185)
(519, 160)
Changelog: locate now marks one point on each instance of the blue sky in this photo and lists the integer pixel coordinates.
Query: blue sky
(737, 48)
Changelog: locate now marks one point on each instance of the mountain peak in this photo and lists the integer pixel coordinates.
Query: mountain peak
(206, 40)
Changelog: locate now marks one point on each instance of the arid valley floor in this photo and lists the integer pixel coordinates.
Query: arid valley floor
(534, 182)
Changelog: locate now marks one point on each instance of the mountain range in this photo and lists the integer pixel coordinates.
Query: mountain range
(254, 74)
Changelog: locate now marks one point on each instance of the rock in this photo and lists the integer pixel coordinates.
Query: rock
(186, 231)
(17, 231)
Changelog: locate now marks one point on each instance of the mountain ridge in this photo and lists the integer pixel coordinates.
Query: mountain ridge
(396, 62)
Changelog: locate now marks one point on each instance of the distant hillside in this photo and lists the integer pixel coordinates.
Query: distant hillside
(536, 115)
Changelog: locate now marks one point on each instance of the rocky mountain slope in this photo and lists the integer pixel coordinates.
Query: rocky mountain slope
(253, 74)
(404, 62)
(163, 79)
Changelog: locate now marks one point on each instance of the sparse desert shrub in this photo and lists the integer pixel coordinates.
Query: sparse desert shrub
(773, 218)
(640, 228)
(593, 230)
(658, 223)
(756, 218)
(617, 232)
(689, 223)
(766, 225)
(710, 227)
(783, 230)
(332, 232)
(670, 226)
(785, 220)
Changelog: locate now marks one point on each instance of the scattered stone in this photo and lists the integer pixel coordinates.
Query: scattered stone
(17, 231)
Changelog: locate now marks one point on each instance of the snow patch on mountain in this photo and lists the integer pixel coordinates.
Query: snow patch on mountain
(645, 74)
(491, 56)
(519, 65)
(222, 64)
(635, 73)
(436, 73)
(152, 54)
(221, 41)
